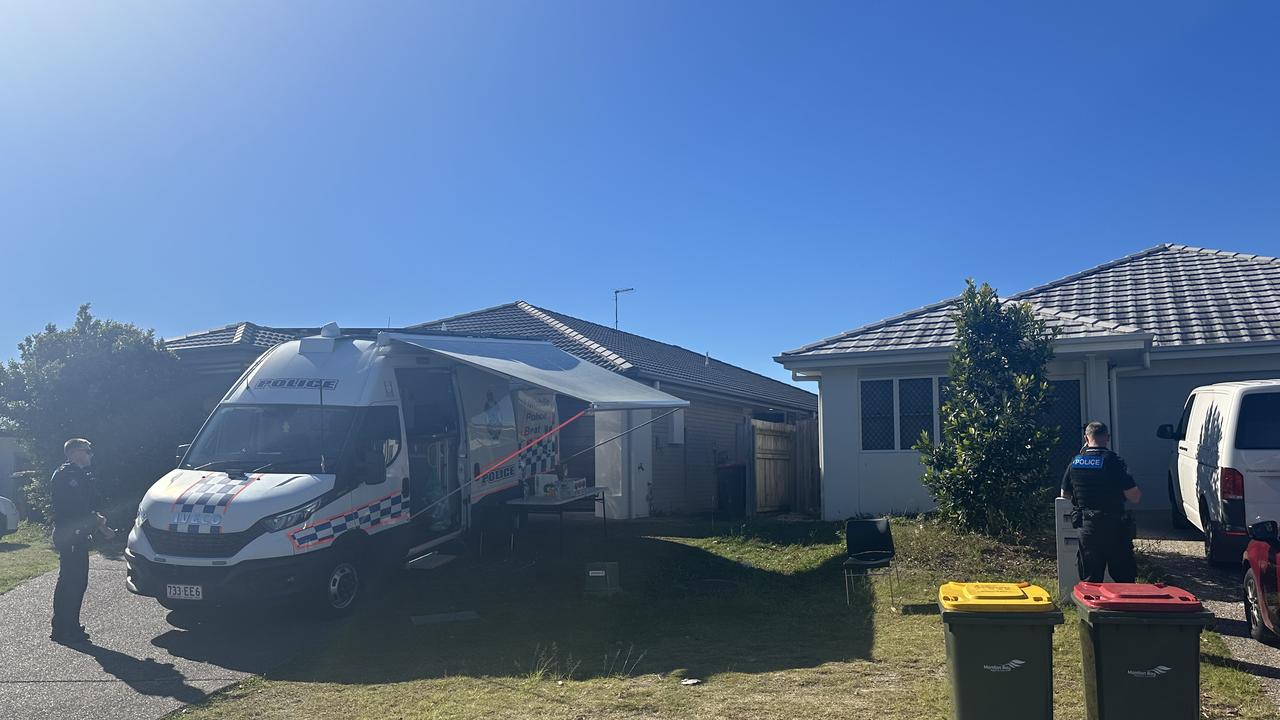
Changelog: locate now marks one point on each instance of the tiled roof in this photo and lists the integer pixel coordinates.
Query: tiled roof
(1175, 294)
(625, 352)
(604, 346)
(931, 328)
(246, 334)
(1183, 295)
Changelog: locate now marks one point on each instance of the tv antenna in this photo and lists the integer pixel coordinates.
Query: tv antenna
(616, 293)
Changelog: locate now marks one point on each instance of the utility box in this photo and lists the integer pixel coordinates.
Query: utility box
(1068, 548)
(602, 578)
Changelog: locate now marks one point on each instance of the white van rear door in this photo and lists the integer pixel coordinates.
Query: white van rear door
(1256, 453)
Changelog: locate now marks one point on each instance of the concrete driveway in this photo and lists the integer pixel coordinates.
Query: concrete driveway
(1180, 555)
(138, 664)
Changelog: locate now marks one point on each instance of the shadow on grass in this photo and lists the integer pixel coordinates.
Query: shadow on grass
(683, 610)
(12, 546)
(1251, 668)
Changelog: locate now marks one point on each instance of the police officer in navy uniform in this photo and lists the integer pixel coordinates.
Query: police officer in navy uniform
(1098, 483)
(76, 526)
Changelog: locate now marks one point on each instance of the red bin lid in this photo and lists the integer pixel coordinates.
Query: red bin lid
(1135, 597)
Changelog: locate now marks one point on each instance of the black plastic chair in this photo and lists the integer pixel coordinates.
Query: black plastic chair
(869, 545)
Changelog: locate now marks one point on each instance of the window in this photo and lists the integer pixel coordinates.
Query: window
(915, 410)
(1258, 427)
(877, 415)
(1181, 434)
(895, 412)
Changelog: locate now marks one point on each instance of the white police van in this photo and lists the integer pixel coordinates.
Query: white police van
(336, 453)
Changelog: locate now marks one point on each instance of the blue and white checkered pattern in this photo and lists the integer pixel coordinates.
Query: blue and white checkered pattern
(540, 457)
(205, 500)
(384, 511)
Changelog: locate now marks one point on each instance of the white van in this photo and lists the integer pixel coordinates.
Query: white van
(1225, 474)
(8, 516)
(334, 454)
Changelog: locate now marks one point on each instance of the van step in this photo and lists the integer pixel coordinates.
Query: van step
(430, 561)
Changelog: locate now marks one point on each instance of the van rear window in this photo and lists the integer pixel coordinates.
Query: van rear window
(1259, 425)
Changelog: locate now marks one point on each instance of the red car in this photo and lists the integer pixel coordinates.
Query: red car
(1261, 588)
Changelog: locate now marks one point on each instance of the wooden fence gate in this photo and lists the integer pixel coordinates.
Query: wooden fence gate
(774, 465)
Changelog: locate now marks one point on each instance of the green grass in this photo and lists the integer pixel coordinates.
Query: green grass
(757, 613)
(24, 555)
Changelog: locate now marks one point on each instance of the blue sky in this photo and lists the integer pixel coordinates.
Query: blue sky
(765, 174)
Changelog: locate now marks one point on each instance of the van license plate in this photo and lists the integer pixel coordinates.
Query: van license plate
(184, 592)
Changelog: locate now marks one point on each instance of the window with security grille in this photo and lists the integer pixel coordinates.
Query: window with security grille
(915, 410)
(877, 415)
(1064, 411)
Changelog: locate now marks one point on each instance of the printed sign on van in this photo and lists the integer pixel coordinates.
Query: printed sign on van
(535, 417)
(491, 431)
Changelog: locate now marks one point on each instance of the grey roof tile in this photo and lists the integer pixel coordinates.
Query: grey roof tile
(598, 344)
(1180, 295)
(623, 352)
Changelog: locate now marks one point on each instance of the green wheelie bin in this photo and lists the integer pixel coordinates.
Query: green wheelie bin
(1140, 646)
(999, 649)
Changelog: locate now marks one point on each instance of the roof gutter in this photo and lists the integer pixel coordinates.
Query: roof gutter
(1131, 341)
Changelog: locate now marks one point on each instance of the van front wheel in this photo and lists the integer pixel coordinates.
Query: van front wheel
(342, 588)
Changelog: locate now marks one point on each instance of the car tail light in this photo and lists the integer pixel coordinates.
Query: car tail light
(1231, 484)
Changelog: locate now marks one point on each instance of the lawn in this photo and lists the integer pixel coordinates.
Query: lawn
(24, 555)
(756, 613)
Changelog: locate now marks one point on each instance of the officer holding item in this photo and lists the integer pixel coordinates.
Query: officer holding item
(75, 528)
(1098, 484)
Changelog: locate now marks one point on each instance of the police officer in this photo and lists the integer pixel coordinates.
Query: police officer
(75, 527)
(1098, 483)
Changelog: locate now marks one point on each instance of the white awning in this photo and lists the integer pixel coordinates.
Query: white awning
(544, 365)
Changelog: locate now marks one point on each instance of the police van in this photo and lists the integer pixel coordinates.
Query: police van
(337, 453)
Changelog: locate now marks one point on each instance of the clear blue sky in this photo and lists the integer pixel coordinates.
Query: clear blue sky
(766, 174)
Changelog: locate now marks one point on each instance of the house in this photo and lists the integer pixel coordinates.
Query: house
(669, 464)
(1136, 335)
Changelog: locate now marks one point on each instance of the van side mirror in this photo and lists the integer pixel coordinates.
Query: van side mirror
(1265, 531)
(1166, 432)
(182, 451)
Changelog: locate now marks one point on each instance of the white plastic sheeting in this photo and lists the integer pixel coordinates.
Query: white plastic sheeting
(542, 364)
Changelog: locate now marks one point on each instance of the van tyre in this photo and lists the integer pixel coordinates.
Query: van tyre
(1214, 547)
(1253, 610)
(342, 586)
(1177, 517)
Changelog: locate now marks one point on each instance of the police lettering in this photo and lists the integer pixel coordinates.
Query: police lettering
(296, 384)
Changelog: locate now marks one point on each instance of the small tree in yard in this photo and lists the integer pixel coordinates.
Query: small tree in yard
(988, 470)
(107, 381)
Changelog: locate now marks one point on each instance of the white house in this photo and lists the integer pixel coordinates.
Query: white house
(1136, 335)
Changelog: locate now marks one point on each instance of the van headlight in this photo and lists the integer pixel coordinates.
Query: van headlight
(289, 518)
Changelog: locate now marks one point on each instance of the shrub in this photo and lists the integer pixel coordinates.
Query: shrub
(987, 470)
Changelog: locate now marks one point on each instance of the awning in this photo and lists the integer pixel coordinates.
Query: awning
(544, 365)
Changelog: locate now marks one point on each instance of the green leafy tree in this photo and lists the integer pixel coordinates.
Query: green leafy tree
(988, 470)
(107, 381)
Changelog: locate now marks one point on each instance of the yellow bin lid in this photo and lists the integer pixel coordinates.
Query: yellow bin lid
(994, 597)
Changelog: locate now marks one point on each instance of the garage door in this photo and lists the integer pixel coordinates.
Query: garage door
(1146, 403)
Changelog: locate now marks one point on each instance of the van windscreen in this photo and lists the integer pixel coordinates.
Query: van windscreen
(1259, 425)
(271, 438)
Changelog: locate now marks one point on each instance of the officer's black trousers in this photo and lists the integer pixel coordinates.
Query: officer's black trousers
(1105, 545)
(68, 595)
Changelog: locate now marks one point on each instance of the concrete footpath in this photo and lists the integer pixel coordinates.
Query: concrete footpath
(137, 664)
(1180, 555)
